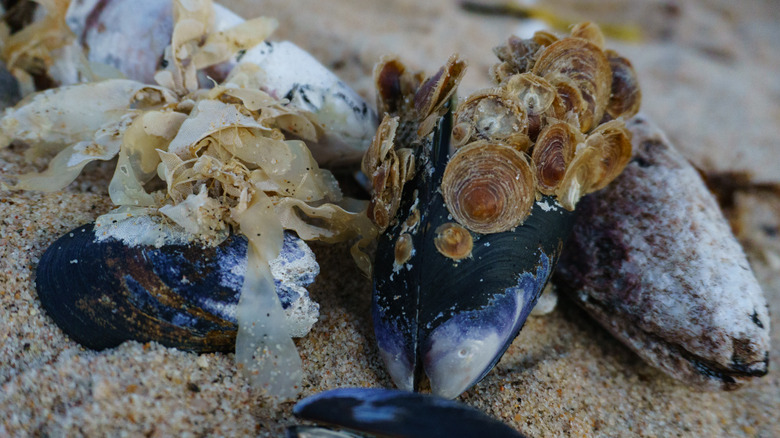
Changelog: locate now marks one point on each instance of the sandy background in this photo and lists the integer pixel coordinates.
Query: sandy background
(709, 75)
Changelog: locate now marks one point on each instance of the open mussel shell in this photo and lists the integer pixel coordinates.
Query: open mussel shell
(392, 413)
(446, 314)
(104, 292)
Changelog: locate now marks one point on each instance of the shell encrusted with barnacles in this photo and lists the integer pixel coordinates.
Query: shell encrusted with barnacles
(475, 197)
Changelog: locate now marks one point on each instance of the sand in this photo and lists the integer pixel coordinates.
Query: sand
(709, 76)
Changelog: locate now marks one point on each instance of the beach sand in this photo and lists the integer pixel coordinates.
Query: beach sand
(708, 71)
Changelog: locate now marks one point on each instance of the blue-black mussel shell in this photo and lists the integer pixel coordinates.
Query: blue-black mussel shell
(393, 413)
(453, 320)
(102, 293)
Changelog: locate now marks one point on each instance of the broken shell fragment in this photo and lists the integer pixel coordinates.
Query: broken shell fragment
(103, 27)
(490, 115)
(488, 187)
(671, 283)
(101, 291)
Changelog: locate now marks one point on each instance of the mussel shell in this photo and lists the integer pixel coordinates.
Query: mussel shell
(653, 260)
(393, 413)
(428, 310)
(102, 293)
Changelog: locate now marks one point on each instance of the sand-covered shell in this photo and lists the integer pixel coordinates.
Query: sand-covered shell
(101, 291)
(654, 261)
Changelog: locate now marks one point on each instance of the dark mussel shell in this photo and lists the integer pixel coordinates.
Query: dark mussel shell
(102, 293)
(454, 318)
(394, 413)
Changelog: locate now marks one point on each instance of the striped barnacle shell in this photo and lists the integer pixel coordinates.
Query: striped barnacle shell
(453, 241)
(605, 154)
(544, 38)
(539, 98)
(625, 97)
(589, 31)
(491, 115)
(580, 176)
(432, 96)
(488, 187)
(552, 153)
(586, 67)
(387, 173)
(614, 142)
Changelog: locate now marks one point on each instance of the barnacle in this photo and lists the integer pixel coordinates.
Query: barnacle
(387, 172)
(453, 241)
(625, 97)
(488, 187)
(586, 66)
(539, 98)
(553, 151)
(434, 93)
(491, 114)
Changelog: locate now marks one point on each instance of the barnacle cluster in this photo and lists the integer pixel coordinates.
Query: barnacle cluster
(411, 106)
(552, 125)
